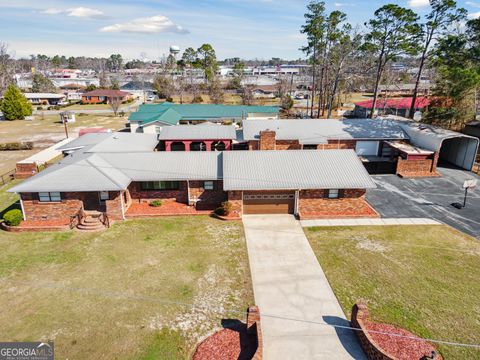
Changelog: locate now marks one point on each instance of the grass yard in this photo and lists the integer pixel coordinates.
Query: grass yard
(8, 200)
(46, 130)
(112, 294)
(422, 278)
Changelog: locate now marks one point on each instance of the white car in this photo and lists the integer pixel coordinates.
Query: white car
(151, 97)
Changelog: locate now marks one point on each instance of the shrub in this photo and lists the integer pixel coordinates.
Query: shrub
(15, 105)
(169, 99)
(219, 211)
(16, 146)
(197, 99)
(156, 203)
(13, 217)
(227, 206)
(39, 108)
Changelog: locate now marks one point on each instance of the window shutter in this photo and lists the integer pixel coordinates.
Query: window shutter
(341, 193)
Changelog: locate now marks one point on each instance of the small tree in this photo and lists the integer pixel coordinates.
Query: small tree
(115, 103)
(287, 103)
(215, 91)
(163, 85)
(247, 94)
(41, 83)
(15, 105)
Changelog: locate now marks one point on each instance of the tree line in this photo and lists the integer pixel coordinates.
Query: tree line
(443, 41)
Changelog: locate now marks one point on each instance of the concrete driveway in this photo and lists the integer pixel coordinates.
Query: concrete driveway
(429, 197)
(288, 283)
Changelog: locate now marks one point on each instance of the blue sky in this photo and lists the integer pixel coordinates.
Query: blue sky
(244, 28)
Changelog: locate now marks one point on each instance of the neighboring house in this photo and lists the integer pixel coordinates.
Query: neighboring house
(397, 90)
(208, 137)
(138, 88)
(105, 96)
(44, 98)
(108, 178)
(151, 118)
(399, 107)
(378, 142)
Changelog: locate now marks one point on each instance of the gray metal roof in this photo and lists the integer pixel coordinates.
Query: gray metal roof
(126, 142)
(168, 165)
(77, 172)
(313, 131)
(83, 171)
(84, 140)
(294, 169)
(197, 132)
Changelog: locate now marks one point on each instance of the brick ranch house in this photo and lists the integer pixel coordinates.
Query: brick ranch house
(107, 179)
(105, 96)
(405, 148)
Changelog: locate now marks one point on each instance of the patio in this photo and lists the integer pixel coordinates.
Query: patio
(168, 208)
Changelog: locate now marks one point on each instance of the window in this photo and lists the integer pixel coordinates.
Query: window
(333, 194)
(158, 129)
(160, 185)
(208, 185)
(309, 147)
(49, 197)
(104, 195)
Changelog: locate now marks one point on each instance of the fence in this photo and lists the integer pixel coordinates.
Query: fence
(7, 177)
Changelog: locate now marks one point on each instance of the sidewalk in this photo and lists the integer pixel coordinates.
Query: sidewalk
(369, 222)
(290, 286)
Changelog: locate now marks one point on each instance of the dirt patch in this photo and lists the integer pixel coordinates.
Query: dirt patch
(365, 243)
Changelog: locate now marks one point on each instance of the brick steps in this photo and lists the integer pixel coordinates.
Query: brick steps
(91, 222)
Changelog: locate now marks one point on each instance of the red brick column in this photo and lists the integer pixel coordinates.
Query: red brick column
(254, 328)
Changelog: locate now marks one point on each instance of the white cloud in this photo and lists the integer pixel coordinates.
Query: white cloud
(474, 15)
(473, 4)
(150, 25)
(340, 4)
(418, 3)
(81, 12)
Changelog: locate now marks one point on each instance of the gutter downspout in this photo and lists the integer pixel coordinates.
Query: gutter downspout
(188, 192)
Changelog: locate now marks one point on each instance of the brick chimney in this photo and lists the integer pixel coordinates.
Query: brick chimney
(267, 140)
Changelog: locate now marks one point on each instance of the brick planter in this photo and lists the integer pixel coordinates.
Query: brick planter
(378, 345)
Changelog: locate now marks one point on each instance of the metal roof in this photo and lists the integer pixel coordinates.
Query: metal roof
(77, 172)
(168, 165)
(115, 171)
(198, 132)
(294, 169)
(312, 131)
(148, 113)
(43, 96)
(84, 140)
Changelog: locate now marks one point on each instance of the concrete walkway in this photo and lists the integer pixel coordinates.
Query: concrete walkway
(289, 282)
(369, 222)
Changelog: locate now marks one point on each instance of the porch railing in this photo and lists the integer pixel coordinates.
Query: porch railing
(105, 219)
(77, 218)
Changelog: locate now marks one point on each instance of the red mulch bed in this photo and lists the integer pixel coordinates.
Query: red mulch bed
(168, 207)
(231, 343)
(38, 225)
(365, 212)
(397, 347)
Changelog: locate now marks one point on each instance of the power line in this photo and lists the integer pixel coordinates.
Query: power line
(115, 294)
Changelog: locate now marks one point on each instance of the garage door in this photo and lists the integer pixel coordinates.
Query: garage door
(269, 204)
(367, 148)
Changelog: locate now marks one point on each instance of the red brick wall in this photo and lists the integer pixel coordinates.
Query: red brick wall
(288, 145)
(209, 199)
(352, 203)
(267, 140)
(25, 170)
(338, 144)
(139, 195)
(295, 145)
(236, 199)
(417, 168)
(71, 203)
(114, 206)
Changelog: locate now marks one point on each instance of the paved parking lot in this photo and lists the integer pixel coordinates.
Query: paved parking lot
(429, 198)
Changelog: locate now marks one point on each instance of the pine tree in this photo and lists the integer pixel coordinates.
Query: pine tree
(15, 105)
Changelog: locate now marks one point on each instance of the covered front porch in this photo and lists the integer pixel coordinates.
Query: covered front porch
(197, 145)
(169, 207)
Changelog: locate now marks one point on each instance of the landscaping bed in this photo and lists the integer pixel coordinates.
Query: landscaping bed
(144, 289)
(420, 278)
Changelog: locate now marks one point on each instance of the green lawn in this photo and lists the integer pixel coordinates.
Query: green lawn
(115, 294)
(422, 278)
(8, 200)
